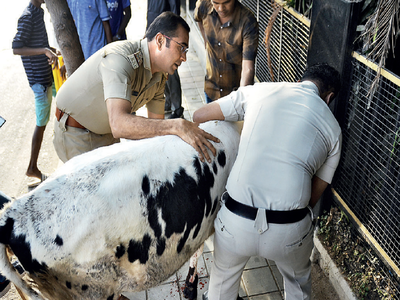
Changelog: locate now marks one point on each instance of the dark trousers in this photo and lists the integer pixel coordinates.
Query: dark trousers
(173, 92)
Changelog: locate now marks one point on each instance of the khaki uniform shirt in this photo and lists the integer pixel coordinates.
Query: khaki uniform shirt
(227, 45)
(289, 135)
(119, 70)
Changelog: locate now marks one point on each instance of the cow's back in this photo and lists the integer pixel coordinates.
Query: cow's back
(120, 218)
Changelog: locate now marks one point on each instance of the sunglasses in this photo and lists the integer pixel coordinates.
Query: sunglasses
(184, 49)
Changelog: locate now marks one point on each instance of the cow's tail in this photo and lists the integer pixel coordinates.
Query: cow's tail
(6, 268)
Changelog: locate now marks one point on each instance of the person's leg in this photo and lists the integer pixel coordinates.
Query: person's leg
(167, 94)
(293, 261)
(37, 139)
(230, 257)
(173, 95)
(43, 99)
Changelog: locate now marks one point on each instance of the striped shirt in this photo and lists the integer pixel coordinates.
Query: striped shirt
(31, 32)
(226, 46)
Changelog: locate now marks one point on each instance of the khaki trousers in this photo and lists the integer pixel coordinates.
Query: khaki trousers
(70, 141)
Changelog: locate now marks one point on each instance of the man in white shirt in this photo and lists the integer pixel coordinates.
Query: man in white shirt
(289, 150)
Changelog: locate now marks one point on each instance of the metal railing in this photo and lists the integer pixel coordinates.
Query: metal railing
(288, 41)
(368, 185)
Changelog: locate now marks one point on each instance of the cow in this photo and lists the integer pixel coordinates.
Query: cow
(121, 218)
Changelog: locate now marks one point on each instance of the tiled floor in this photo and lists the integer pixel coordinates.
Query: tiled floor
(261, 279)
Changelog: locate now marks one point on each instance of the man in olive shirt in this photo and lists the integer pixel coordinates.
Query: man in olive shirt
(95, 104)
(230, 33)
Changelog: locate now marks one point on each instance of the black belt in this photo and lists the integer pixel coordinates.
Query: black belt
(273, 216)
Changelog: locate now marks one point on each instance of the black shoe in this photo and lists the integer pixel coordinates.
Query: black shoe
(177, 113)
(205, 295)
(4, 287)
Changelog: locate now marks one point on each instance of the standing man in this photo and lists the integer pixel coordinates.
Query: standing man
(288, 153)
(173, 90)
(95, 104)
(92, 20)
(120, 12)
(32, 44)
(230, 33)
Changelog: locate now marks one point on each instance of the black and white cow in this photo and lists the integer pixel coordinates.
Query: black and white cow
(117, 219)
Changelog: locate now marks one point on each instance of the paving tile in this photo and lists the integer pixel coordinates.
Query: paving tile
(209, 244)
(190, 85)
(256, 262)
(197, 73)
(196, 105)
(199, 78)
(194, 98)
(258, 281)
(242, 290)
(168, 291)
(271, 263)
(186, 79)
(270, 296)
(208, 261)
(172, 278)
(199, 84)
(201, 288)
(197, 68)
(184, 73)
(187, 115)
(278, 276)
(188, 92)
(136, 296)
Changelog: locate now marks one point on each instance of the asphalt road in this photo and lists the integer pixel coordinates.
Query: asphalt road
(17, 107)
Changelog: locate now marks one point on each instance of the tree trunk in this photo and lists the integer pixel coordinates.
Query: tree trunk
(66, 34)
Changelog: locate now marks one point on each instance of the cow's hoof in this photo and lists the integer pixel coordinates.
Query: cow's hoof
(190, 290)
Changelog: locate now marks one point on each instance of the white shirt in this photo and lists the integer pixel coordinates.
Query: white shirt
(289, 134)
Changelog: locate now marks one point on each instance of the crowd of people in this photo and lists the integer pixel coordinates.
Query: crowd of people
(290, 145)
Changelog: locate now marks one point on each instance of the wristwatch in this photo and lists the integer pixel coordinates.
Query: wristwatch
(118, 37)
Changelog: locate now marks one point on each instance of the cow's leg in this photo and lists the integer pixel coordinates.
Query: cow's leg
(9, 271)
(190, 291)
(21, 294)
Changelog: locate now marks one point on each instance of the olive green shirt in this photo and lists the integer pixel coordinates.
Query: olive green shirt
(118, 70)
(227, 45)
